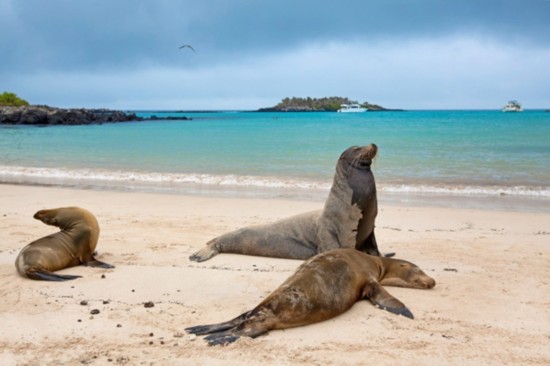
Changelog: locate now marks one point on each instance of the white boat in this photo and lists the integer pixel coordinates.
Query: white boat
(351, 108)
(512, 106)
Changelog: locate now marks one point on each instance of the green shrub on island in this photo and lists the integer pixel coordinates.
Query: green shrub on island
(309, 104)
(12, 100)
(326, 104)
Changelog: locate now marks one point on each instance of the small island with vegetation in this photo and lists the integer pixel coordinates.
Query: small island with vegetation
(326, 104)
(17, 111)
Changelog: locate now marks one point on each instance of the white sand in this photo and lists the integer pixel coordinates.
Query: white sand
(491, 304)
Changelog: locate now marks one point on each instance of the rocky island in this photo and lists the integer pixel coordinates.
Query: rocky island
(327, 104)
(17, 111)
(49, 116)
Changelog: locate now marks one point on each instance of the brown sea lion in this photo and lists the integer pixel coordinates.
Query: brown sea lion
(321, 288)
(347, 220)
(72, 246)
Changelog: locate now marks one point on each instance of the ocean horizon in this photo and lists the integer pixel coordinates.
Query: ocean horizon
(443, 157)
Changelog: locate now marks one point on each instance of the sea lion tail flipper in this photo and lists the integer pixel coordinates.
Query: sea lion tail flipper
(248, 329)
(218, 327)
(99, 264)
(221, 338)
(50, 276)
(381, 298)
(205, 253)
(208, 328)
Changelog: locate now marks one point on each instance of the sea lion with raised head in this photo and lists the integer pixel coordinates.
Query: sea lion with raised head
(72, 246)
(321, 288)
(346, 221)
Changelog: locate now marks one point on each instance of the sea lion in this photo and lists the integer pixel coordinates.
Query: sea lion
(73, 245)
(346, 221)
(321, 288)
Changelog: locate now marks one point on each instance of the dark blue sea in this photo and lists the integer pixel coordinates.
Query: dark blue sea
(483, 156)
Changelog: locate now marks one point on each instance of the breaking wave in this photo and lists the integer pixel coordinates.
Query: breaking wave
(191, 182)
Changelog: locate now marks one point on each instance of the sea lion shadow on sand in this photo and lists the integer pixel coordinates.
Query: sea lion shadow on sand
(321, 288)
(346, 221)
(73, 245)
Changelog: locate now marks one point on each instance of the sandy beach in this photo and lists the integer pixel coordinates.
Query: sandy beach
(490, 305)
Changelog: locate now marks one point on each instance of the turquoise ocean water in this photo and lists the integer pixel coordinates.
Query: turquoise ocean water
(480, 156)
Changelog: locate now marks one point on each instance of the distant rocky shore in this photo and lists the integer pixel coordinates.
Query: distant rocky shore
(50, 116)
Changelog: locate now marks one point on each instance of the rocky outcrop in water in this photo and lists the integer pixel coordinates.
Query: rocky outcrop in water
(326, 104)
(50, 116)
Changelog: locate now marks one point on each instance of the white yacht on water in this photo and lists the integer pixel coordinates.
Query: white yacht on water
(351, 108)
(512, 106)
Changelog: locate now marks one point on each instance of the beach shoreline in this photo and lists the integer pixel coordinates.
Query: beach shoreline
(489, 305)
(505, 202)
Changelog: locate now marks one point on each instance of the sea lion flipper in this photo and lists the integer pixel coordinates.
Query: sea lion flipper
(369, 246)
(204, 254)
(219, 327)
(247, 324)
(198, 329)
(210, 328)
(250, 329)
(381, 298)
(97, 264)
(50, 276)
(221, 338)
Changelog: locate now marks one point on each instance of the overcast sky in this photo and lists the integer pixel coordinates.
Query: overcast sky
(412, 54)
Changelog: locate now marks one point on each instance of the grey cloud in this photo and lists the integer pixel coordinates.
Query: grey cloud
(67, 35)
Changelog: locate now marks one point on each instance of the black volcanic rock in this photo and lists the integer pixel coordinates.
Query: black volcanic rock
(50, 116)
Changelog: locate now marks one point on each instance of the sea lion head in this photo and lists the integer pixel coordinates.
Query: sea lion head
(48, 217)
(68, 218)
(60, 217)
(354, 166)
(400, 273)
(358, 157)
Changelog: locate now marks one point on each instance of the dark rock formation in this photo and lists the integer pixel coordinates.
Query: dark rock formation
(292, 109)
(50, 116)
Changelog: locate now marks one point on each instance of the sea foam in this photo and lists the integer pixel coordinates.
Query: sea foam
(190, 182)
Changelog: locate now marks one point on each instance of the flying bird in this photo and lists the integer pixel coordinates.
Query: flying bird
(188, 46)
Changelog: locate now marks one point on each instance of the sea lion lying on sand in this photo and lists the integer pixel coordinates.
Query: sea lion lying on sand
(321, 288)
(347, 220)
(72, 246)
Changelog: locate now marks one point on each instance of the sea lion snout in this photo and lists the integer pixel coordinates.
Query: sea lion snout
(369, 151)
(39, 214)
(425, 282)
(360, 157)
(420, 280)
(46, 217)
